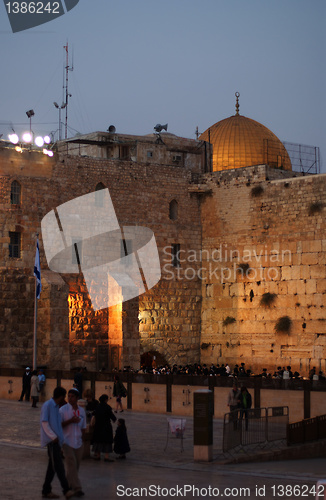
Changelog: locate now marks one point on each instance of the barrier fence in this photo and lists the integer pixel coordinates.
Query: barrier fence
(254, 426)
(305, 398)
(309, 429)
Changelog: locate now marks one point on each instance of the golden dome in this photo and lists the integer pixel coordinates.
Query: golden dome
(239, 141)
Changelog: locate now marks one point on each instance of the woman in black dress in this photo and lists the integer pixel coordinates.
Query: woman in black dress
(103, 433)
(121, 443)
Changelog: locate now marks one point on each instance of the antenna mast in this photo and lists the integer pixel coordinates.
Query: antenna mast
(67, 95)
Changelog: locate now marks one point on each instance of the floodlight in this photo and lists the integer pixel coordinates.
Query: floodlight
(39, 141)
(13, 138)
(47, 139)
(27, 137)
(30, 113)
(63, 106)
(47, 152)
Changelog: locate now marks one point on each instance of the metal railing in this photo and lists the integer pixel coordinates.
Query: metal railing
(309, 429)
(304, 159)
(254, 426)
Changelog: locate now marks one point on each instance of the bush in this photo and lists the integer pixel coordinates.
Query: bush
(268, 299)
(257, 191)
(228, 320)
(243, 268)
(316, 207)
(283, 324)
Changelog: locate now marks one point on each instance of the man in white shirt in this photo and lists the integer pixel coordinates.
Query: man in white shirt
(73, 424)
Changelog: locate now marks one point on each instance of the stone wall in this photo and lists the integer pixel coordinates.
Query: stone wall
(141, 195)
(264, 235)
(242, 234)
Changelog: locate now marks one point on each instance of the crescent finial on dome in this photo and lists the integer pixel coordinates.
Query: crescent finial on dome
(237, 105)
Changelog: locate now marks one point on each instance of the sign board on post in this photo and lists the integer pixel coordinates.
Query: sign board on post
(203, 425)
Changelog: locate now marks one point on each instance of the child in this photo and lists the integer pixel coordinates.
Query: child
(121, 443)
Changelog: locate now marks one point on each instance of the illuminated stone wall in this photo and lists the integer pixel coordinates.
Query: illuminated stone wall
(264, 235)
(276, 231)
(141, 195)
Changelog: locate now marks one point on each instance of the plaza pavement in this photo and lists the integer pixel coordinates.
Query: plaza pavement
(156, 467)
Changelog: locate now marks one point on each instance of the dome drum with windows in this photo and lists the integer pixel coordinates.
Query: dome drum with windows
(239, 142)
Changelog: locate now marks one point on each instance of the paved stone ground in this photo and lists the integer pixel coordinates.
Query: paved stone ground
(23, 463)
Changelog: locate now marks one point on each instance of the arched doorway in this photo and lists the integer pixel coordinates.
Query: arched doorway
(152, 359)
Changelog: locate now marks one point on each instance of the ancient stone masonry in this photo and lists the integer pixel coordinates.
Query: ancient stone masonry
(167, 318)
(242, 254)
(268, 245)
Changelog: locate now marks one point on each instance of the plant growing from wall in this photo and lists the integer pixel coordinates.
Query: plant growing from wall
(228, 320)
(268, 299)
(316, 207)
(283, 324)
(243, 268)
(257, 191)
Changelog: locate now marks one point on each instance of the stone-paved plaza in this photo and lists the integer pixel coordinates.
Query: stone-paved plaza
(155, 468)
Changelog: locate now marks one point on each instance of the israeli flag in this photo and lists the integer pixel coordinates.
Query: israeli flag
(37, 271)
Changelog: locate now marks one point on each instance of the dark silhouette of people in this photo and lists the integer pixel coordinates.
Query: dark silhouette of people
(103, 432)
(121, 443)
(26, 382)
(245, 404)
(78, 381)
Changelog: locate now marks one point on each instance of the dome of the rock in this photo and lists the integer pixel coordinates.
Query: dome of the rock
(239, 141)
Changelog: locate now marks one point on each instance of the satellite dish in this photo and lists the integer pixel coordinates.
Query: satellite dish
(112, 129)
(159, 127)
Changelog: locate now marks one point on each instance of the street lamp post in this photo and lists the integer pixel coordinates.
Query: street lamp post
(29, 114)
(63, 105)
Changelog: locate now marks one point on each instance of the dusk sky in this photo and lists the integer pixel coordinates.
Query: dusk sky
(142, 62)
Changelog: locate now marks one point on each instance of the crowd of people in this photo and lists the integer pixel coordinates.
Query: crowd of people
(33, 382)
(224, 370)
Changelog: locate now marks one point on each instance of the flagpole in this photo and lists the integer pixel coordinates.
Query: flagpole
(38, 288)
(35, 328)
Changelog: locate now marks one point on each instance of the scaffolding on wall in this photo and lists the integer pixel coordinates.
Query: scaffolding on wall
(304, 159)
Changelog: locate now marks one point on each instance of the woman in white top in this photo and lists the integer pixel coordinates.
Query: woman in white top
(34, 388)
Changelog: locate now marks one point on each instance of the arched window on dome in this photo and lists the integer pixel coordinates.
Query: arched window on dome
(99, 194)
(173, 210)
(15, 193)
